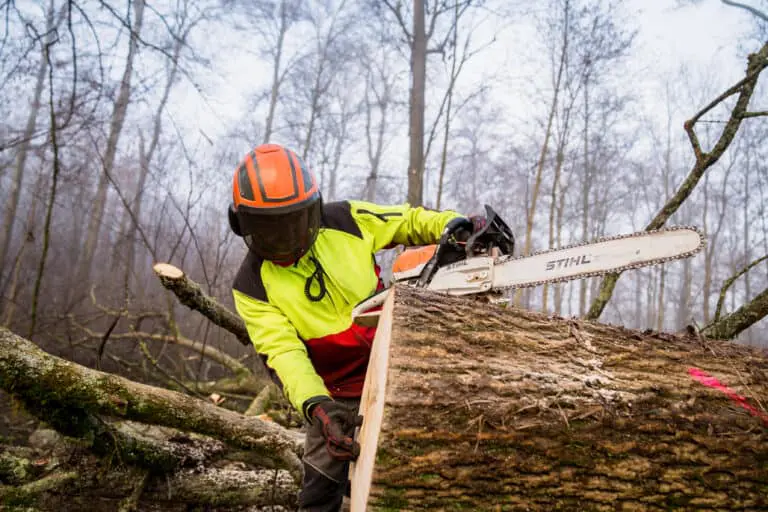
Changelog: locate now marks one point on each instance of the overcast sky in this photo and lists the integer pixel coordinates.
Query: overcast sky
(703, 36)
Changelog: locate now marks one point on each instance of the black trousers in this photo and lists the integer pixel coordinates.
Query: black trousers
(326, 480)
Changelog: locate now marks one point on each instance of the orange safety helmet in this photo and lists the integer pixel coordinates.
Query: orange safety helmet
(276, 204)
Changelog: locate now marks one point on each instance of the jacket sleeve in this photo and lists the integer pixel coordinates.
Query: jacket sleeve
(273, 336)
(400, 224)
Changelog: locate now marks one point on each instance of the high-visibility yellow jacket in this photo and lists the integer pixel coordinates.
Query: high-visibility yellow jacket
(311, 345)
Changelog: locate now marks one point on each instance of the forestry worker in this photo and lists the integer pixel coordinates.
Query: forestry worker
(308, 264)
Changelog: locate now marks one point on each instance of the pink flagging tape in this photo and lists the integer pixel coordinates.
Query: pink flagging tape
(712, 382)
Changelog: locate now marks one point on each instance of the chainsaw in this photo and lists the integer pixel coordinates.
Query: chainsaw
(485, 263)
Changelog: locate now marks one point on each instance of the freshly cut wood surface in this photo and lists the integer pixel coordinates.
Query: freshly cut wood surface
(479, 407)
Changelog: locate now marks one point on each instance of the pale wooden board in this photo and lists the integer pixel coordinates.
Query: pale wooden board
(370, 319)
(372, 409)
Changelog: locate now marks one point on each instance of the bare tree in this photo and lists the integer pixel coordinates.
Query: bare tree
(458, 61)
(743, 89)
(120, 109)
(418, 38)
(379, 101)
(181, 34)
(9, 217)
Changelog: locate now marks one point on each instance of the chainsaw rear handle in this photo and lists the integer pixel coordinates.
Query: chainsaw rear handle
(495, 234)
(447, 249)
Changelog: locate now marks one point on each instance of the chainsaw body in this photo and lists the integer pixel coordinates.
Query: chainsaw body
(430, 266)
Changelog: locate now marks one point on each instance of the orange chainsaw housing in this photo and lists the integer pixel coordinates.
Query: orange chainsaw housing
(413, 258)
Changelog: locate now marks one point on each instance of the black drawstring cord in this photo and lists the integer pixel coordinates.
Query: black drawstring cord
(317, 274)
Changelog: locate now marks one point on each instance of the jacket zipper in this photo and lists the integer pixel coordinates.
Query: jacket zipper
(381, 216)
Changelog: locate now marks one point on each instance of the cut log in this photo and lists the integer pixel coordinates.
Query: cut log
(481, 407)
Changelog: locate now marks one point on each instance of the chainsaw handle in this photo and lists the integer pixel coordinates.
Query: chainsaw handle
(446, 242)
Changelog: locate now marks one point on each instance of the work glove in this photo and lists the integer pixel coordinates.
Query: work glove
(335, 420)
(465, 227)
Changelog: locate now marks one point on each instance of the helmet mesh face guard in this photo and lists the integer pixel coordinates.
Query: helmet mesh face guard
(282, 238)
(277, 207)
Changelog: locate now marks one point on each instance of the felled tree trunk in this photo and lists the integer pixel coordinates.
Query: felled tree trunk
(473, 406)
(76, 481)
(72, 398)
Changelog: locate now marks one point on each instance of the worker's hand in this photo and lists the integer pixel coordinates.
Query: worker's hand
(468, 226)
(337, 423)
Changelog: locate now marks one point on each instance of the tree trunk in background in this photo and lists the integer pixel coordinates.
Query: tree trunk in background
(145, 159)
(560, 212)
(555, 213)
(375, 149)
(531, 212)
(318, 89)
(684, 297)
(660, 307)
(747, 239)
(115, 129)
(9, 219)
(416, 106)
(586, 186)
(472, 406)
(277, 75)
(449, 106)
(650, 290)
(28, 244)
(637, 321)
(552, 221)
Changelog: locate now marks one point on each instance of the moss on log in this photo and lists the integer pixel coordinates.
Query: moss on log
(749, 314)
(487, 408)
(85, 481)
(47, 383)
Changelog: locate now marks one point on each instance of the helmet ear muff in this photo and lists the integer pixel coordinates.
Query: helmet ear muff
(234, 223)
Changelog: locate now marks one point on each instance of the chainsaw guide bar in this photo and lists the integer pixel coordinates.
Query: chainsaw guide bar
(600, 257)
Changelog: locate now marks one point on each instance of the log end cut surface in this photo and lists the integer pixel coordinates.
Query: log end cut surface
(492, 408)
(168, 270)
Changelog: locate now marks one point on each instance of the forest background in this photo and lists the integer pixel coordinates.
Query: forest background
(121, 124)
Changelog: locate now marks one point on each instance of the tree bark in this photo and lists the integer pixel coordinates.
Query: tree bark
(731, 325)
(417, 104)
(52, 388)
(190, 294)
(486, 408)
(85, 482)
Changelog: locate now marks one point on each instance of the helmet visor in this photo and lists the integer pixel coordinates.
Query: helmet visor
(282, 238)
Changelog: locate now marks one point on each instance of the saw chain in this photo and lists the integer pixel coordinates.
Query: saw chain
(599, 273)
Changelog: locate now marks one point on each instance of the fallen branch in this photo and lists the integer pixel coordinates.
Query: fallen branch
(78, 482)
(242, 372)
(191, 295)
(44, 381)
(259, 404)
(727, 284)
(21, 495)
(731, 325)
